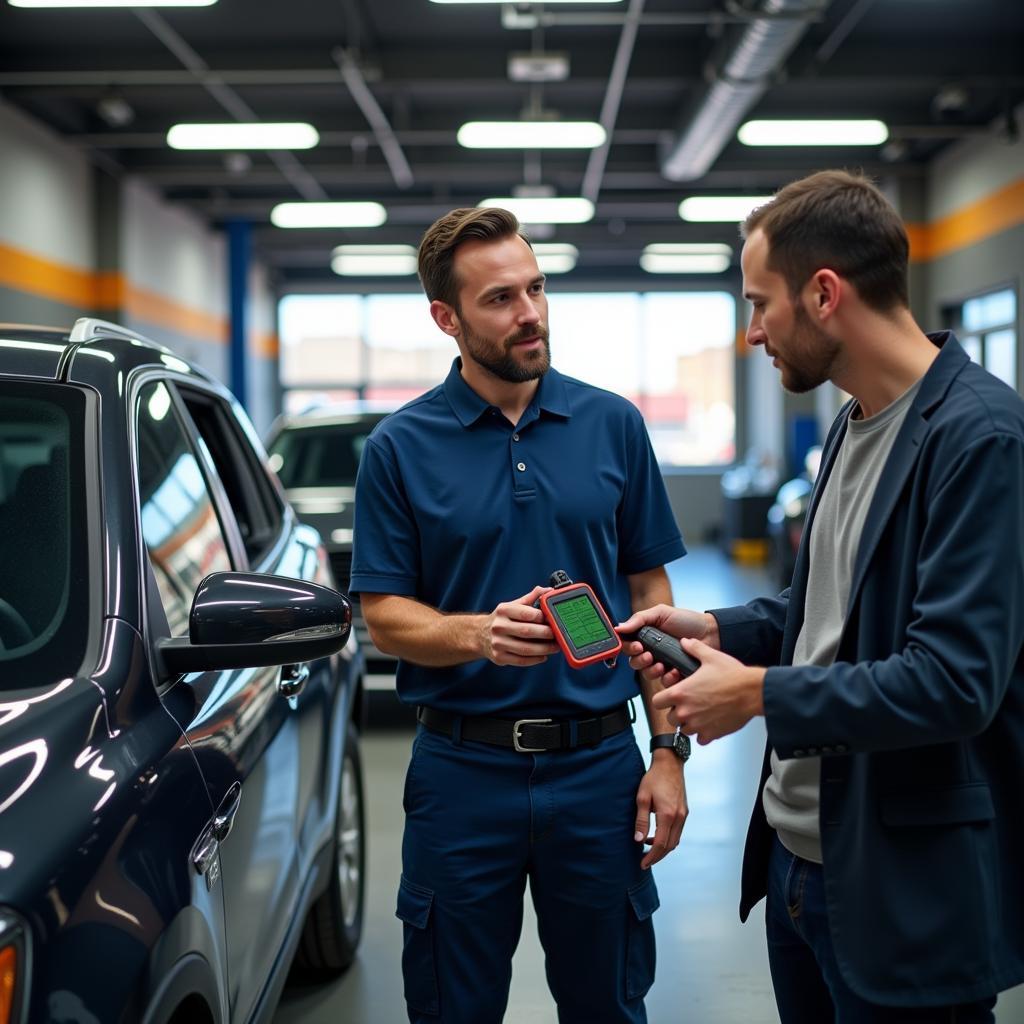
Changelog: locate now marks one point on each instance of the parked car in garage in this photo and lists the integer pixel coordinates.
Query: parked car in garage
(181, 808)
(787, 516)
(316, 455)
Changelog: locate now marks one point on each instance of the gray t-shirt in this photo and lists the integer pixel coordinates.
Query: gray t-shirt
(792, 791)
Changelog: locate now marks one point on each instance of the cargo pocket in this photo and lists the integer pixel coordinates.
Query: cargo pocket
(640, 954)
(418, 968)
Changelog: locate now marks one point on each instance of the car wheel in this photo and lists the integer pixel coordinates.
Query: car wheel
(335, 922)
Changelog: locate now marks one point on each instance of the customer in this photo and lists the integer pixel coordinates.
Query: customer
(467, 499)
(889, 828)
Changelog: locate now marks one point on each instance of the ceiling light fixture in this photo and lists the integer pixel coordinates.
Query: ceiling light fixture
(506, 1)
(685, 258)
(531, 135)
(555, 257)
(813, 133)
(328, 215)
(243, 135)
(374, 260)
(111, 3)
(720, 209)
(545, 209)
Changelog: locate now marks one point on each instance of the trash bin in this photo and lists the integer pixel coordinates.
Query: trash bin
(748, 491)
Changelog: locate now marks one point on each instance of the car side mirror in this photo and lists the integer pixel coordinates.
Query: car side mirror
(252, 620)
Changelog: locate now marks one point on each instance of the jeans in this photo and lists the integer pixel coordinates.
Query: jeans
(481, 821)
(808, 986)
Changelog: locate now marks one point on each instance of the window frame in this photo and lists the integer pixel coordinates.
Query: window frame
(231, 448)
(953, 317)
(154, 614)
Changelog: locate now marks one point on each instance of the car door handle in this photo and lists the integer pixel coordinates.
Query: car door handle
(293, 679)
(225, 816)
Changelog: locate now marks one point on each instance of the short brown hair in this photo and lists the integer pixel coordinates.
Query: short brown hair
(842, 221)
(437, 249)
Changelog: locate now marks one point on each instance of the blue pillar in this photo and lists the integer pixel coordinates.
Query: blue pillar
(239, 255)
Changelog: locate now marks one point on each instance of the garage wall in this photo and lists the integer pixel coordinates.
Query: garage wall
(75, 241)
(47, 225)
(975, 233)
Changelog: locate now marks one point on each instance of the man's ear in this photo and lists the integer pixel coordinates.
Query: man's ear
(824, 292)
(445, 317)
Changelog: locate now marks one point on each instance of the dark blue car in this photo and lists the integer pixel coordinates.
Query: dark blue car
(181, 807)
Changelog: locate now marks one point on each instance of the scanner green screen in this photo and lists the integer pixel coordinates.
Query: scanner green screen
(581, 621)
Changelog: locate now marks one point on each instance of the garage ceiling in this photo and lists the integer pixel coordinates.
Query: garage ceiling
(111, 82)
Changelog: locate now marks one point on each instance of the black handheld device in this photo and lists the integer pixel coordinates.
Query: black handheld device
(666, 649)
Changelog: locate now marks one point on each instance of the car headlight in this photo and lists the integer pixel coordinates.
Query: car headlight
(14, 968)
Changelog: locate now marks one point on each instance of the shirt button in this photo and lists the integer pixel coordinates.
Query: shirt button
(515, 437)
(521, 466)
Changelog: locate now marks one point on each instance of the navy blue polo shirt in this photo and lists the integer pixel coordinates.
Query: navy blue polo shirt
(458, 509)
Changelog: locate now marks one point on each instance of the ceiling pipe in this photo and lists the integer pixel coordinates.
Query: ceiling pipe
(382, 130)
(612, 99)
(740, 82)
(301, 180)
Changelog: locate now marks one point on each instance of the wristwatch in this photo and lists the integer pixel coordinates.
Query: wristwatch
(678, 742)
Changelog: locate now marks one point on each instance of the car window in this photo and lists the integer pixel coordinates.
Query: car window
(179, 522)
(325, 456)
(44, 572)
(255, 505)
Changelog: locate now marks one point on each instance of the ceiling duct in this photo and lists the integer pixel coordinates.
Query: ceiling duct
(739, 82)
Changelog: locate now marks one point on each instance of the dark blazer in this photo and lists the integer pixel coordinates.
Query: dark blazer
(920, 719)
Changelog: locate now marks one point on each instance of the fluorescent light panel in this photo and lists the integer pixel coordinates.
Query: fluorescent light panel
(720, 209)
(688, 249)
(506, 1)
(813, 133)
(328, 215)
(531, 135)
(374, 260)
(545, 209)
(235, 135)
(555, 257)
(111, 3)
(684, 263)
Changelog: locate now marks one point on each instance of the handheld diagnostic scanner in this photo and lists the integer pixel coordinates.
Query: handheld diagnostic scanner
(581, 626)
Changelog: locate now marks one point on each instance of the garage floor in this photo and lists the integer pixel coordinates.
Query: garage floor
(710, 967)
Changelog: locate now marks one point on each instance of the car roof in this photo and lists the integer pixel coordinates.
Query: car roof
(36, 351)
(330, 416)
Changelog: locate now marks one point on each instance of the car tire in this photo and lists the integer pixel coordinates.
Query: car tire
(334, 924)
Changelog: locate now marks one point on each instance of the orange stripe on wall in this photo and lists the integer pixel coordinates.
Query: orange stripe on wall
(155, 309)
(267, 345)
(24, 272)
(969, 225)
(110, 291)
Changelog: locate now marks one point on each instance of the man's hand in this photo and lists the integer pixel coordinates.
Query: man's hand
(677, 622)
(516, 633)
(663, 791)
(718, 699)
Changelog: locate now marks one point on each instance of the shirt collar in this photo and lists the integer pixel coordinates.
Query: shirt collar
(468, 406)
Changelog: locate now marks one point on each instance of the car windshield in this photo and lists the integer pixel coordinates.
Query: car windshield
(43, 556)
(321, 456)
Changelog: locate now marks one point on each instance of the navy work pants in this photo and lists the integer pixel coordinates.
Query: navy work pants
(480, 820)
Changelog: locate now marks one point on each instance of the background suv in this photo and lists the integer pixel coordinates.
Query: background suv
(316, 455)
(180, 786)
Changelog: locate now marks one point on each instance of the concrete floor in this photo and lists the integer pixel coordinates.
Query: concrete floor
(711, 968)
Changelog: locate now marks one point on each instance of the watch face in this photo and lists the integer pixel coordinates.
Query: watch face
(681, 745)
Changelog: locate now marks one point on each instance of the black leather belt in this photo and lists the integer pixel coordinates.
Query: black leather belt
(528, 735)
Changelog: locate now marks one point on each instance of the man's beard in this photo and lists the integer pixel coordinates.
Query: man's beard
(817, 351)
(499, 357)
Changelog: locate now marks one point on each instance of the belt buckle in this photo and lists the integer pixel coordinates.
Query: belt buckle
(515, 734)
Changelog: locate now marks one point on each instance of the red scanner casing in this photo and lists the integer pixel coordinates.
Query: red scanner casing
(581, 654)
